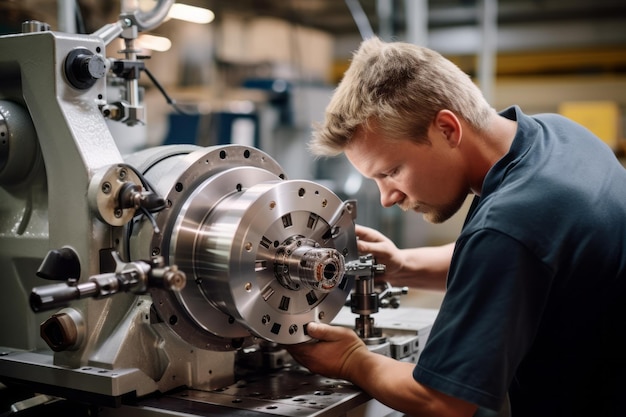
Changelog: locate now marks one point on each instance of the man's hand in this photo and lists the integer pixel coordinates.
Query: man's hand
(333, 354)
(339, 353)
(384, 250)
(425, 267)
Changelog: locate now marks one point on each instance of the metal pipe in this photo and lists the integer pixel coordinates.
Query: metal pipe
(66, 11)
(417, 21)
(360, 18)
(488, 19)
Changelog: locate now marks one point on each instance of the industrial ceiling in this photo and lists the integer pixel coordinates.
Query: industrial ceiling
(337, 17)
(576, 34)
(537, 35)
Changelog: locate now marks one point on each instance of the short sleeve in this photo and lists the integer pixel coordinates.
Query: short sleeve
(497, 291)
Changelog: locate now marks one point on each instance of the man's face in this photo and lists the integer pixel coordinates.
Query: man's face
(425, 178)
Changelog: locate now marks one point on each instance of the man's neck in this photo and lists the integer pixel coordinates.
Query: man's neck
(488, 147)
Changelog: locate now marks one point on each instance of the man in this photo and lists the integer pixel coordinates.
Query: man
(535, 283)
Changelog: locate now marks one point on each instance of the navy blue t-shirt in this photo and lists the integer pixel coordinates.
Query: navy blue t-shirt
(536, 301)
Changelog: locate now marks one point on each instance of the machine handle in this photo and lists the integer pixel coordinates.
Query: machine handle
(137, 276)
(52, 296)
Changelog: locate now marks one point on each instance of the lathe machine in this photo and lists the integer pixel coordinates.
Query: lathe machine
(166, 281)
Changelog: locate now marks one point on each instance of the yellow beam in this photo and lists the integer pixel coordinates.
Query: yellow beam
(596, 60)
(574, 61)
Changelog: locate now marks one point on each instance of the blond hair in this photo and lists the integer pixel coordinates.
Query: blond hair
(401, 87)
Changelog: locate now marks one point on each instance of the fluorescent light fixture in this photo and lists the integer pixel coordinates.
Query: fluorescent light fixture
(191, 13)
(154, 43)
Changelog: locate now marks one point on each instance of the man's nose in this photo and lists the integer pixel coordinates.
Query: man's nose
(389, 196)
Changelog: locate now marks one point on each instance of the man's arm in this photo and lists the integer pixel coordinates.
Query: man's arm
(425, 267)
(341, 354)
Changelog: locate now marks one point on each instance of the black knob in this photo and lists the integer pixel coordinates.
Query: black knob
(83, 68)
(60, 265)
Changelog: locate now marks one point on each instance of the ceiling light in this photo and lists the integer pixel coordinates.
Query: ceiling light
(191, 13)
(154, 43)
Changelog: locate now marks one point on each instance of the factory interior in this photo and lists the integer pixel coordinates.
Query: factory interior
(173, 112)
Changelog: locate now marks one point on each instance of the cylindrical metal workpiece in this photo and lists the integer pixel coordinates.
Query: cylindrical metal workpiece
(320, 268)
(302, 263)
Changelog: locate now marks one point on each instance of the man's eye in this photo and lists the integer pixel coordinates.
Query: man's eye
(390, 173)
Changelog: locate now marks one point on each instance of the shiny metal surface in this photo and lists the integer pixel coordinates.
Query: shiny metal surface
(104, 190)
(236, 251)
(290, 392)
(18, 144)
(146, 19)
(300, 262)
(232, 219)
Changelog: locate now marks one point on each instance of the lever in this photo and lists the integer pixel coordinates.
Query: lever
(136, 277)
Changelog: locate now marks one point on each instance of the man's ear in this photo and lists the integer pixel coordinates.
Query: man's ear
(449, 125)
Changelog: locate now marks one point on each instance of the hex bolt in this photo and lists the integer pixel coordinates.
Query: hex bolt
(59, 332)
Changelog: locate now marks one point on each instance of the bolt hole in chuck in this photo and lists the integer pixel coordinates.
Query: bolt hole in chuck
(302, 263)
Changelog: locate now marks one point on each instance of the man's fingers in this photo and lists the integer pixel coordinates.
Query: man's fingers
(316, 330)
(363, 247)
(366, 233)
(326, 332)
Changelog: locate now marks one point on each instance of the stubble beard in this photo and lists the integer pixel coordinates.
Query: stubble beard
(438, 214)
